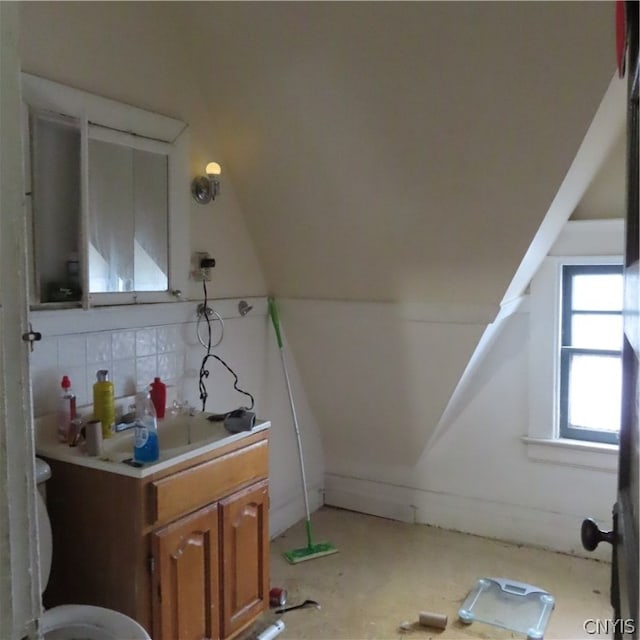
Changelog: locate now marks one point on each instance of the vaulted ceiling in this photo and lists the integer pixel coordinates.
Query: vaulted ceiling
(398, 151)
(388, 151)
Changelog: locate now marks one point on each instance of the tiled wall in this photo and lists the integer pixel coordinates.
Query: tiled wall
(134, 343)
(138, 342)
(133, 356)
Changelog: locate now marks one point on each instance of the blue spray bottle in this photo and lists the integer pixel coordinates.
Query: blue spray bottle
(146, 447)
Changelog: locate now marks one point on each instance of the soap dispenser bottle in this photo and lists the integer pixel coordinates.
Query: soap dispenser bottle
(66, 409)
(146, 447)
(158, 396)
(103, 402)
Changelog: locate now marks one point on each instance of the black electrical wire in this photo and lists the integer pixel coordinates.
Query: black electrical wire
(204, 372)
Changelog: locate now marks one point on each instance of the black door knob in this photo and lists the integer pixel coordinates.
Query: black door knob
(592, 536)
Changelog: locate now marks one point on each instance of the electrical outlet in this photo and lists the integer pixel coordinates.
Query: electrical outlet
(199, 273)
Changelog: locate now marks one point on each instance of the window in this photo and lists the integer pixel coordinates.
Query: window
(590, 352)
(582, 243)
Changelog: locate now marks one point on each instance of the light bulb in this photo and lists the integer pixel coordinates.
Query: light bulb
(213, 169)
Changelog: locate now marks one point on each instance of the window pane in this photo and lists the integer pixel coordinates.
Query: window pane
(594, 392)
(596, 331)
(597, 292)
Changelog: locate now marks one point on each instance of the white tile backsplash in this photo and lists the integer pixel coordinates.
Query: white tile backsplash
(72, 351)
(99, 348)
(123, 344)
(45, 353)
(133, 357)
(79, 386)
(146, 342)
(168, 338)
(167, 368)
(134, 344)
(124, 377)
(146, 371)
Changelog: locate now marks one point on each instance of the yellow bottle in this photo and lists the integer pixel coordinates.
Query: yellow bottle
(103, 403)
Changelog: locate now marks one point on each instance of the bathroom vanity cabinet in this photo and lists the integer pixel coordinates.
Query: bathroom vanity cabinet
(184, 551)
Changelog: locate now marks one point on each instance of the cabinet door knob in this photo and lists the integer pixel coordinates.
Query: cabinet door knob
(592, 535)
(193, 539)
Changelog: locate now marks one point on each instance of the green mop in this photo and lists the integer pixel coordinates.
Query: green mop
(312, 550)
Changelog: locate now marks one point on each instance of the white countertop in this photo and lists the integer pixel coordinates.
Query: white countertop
(207, 436)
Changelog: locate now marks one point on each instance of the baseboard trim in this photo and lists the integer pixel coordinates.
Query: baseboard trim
(291, 510)
(516, 524)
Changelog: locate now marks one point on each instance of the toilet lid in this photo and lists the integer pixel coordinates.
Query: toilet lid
(84, 622)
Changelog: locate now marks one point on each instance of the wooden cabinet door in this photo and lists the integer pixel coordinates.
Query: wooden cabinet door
(186, 578)
(245, 556)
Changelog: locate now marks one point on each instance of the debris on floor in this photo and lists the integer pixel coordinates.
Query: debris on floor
(304, 605)
(425, 619)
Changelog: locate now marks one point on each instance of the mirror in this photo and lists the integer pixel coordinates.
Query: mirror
(128, 219)
(55, 154)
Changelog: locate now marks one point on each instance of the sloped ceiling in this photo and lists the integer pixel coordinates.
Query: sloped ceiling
(605, 196)
(398, 151)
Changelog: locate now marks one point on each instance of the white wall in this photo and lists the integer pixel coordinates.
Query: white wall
(381, 399)
(477, 478)
(379, 375)
(136, 344)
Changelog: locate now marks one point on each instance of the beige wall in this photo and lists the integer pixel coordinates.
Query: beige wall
(133, 52)
(400, 151)
(605, 197)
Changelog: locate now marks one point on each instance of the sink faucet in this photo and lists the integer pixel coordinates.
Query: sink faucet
(182, 408)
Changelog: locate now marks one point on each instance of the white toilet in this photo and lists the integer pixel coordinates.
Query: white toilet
(76, 621)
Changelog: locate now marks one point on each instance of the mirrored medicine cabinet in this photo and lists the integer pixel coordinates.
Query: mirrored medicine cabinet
(108, 206)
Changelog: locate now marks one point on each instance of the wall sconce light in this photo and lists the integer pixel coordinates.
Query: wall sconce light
(206, 188)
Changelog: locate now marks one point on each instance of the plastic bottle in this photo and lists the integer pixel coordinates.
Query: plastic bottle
(66, 409)
(103, 403)
(158, 396)
(146, 447)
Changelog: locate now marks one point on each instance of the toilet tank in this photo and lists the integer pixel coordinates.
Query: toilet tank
(43, 471)
(45, 542)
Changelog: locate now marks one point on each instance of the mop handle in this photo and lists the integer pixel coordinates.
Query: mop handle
(273, 312)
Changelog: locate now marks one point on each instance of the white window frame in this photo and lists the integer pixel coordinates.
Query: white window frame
(567, 314)
(579, 243)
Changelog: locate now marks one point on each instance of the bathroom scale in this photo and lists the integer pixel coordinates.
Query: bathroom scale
(510, 605)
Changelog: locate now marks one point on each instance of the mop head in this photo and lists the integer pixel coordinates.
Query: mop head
(310, 552)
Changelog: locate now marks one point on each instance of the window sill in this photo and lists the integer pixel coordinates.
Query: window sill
(574, 453)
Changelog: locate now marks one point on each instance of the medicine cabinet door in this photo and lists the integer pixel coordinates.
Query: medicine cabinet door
(128, 213)
(56, 210)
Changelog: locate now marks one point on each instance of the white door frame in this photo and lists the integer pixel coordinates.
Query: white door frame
(20, 602)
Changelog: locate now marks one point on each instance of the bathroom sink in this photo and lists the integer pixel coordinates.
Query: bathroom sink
(181, 437)
(176, 435)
